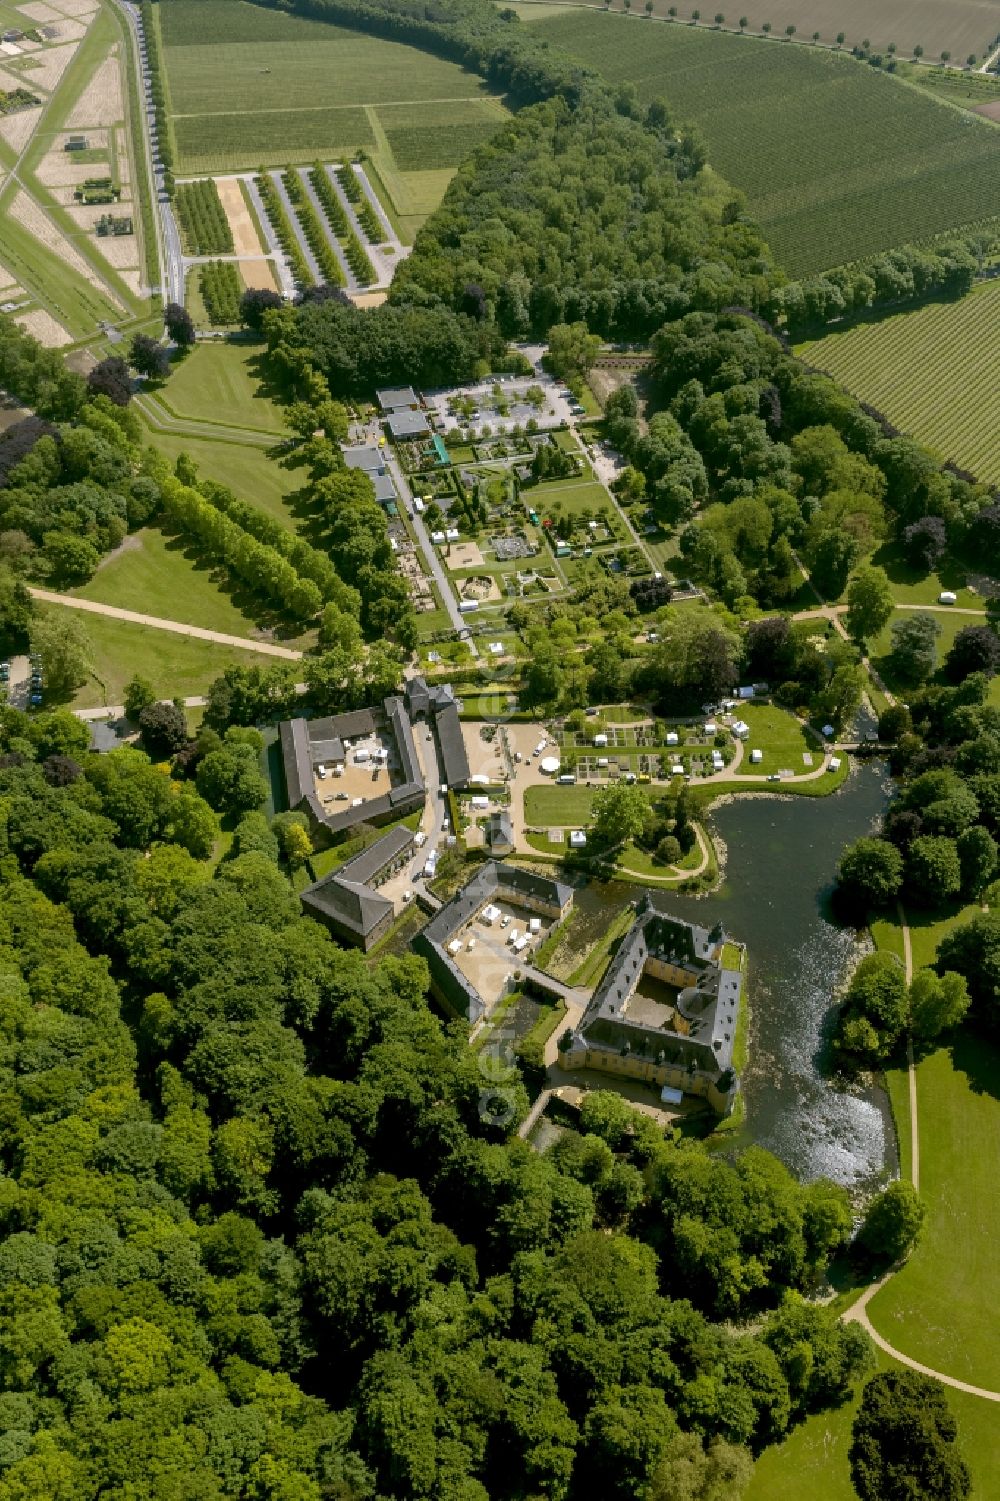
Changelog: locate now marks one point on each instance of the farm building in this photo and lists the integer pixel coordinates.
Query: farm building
(437, 705)
(494, 883)
(310, 747)
(76, 143)
(500, 833)
(371, 460)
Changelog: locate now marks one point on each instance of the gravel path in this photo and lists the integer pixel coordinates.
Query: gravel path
(93, 607)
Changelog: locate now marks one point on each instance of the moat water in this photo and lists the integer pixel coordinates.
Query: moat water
(781, 856)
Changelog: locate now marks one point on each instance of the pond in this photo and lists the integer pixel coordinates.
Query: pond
(781, 858)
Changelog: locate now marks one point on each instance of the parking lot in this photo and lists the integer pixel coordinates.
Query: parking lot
(445, 407)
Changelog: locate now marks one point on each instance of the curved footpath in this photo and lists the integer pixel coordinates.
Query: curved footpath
(858, 1311)
(92, 607)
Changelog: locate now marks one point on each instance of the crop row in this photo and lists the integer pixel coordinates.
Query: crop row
(221, 289)
(202, 218)
(312, 229)
(287, 238)
(357, 256)
(931, 372)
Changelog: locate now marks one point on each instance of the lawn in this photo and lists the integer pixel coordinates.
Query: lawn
(939, 1308)
(950, 627)
(175, 665)
(219, 382)
(571, 497)
(812, 1461)
(248, 472)
(838, 160)
(558, 807)
(911, 587)
(154, 575)
(932, 372)
(781, 737)
(254, 86)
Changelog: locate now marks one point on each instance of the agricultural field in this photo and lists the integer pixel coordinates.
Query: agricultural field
(838, 160)
(933, 373)
(78, 247)
(233, 67)
(960, 27)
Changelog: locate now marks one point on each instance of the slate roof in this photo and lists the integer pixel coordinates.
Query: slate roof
(366, 456)
(438, 703)
(432, 940)
(107, 734)
(306, 743)
(345, 896)
(709, 1004)
(383, 486)
(500, 829)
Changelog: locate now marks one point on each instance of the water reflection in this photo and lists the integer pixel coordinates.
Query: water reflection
(782, 854)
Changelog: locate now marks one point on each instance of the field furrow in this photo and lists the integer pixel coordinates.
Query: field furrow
(933, 372)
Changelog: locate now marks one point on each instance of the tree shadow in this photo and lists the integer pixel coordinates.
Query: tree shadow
(257, 611)
(890, 557)
(978, 1058)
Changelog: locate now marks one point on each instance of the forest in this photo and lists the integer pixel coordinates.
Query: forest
(258, 1240)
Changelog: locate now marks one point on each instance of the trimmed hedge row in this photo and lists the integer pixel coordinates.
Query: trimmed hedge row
(313, 229)
(357, 257)
(287, 238)
(158, 93)
(202, 218)
(261, 568)
(221, 290)
(307, 561)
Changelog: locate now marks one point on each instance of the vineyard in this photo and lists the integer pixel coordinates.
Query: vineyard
(838, 160)
(221, 290)
(932, 372)
(204, 227)
(250, 85)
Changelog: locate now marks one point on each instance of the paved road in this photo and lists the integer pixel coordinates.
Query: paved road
(459, 622)
(92, 607)
(169, 252)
